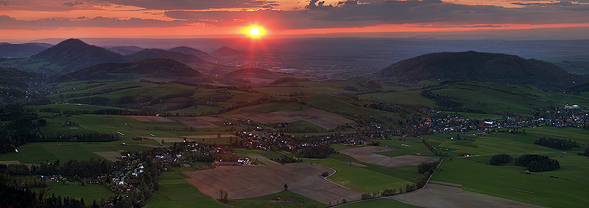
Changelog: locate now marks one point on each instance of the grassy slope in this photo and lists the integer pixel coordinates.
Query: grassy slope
(504, 97)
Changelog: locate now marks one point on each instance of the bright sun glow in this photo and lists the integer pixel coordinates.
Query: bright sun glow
(255, 31)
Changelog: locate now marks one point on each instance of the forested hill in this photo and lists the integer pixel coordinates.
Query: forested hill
(487, 67)
(73, 54)
(154, 67)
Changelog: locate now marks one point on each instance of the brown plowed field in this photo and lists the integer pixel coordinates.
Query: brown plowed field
(315, 116)
(253, 181)
(444, 195)
(367, 154)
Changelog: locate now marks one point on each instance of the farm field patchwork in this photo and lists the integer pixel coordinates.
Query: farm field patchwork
(254, 181)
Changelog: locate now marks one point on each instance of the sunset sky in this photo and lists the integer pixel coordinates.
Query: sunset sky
(37, 19)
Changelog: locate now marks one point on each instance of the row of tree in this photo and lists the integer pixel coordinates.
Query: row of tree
(560, 144)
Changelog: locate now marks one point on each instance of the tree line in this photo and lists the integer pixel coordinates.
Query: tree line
(560, 144)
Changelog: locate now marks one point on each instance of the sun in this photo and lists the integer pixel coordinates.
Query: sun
(255, 31)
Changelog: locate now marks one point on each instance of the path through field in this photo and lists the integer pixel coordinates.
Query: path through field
(447, 195)
(253, 181)
(367, 154)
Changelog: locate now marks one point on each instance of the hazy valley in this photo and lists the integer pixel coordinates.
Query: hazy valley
(316, 122)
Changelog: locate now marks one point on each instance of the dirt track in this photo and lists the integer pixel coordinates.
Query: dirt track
(253, 181)
(446, 195)
(366, 154)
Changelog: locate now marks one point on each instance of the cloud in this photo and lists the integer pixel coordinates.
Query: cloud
(7, 22)
(192, 4)
(316, 14)
(5, 3)
(72, 3)
(318, 5)
(349, 15)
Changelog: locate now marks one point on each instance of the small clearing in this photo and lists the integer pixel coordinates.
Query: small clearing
(318, 117)
(367, 154)
(447, 195)
(254, 181)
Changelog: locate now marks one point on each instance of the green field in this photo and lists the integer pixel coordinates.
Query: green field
(564, 187)
(360, 179)
(496, 143)
(175, 191)
(535, 188)
(65, 151)
(88, 192)
(404, 146)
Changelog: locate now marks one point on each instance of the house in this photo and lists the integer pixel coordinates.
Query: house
(244, 161)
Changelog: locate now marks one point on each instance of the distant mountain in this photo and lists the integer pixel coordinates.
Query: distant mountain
(124, 50)
(73, 54)
(24, 50)
(196, 52)
(67, 56)
(487, 67)
(152, 67)
(228, 52)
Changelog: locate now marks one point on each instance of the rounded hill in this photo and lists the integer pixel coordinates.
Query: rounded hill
(487, 67)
